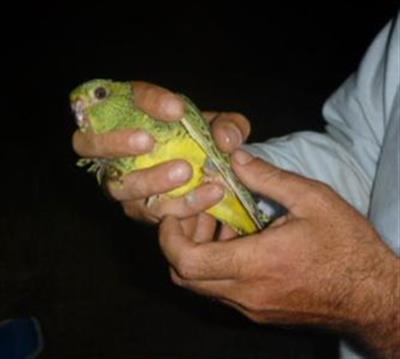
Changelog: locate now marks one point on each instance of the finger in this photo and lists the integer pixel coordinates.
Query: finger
(239, 120)
(226, 291)
(182, 207)
(229, 292)
(205, 228)
(221, 289)
(240, 308)
(230, 130)
(189, 226)
(264, 178)
(118, 143)
(226, 233)
(191, 204)
(151, 181)
(280, 221)
(137, 210)
(158, 102)
(205, 261)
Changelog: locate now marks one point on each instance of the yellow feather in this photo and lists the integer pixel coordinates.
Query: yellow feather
(114, 108)
(229, 210)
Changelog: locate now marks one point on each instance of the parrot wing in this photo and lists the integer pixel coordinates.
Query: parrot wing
(199, 130)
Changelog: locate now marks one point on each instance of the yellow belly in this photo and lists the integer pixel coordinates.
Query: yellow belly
(181, 148)
(229, 210)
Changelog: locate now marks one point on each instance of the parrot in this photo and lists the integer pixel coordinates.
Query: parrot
(103, 105)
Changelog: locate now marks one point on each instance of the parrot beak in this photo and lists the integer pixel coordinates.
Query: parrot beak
(79, 109)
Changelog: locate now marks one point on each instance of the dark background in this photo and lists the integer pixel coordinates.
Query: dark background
(95, 279)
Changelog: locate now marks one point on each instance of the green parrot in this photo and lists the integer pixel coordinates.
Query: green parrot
(105, 105)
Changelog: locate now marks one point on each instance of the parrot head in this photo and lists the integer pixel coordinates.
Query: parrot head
(101, 105)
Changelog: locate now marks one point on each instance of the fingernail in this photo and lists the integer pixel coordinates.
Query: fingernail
(242, 157)
(172, 107)
(215, 192)
(233, 135)
(140, 141)
(191, 198)
(180, 173)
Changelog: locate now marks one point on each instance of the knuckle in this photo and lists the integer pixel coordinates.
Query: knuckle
(186, 266)
(323, 188)
(317, 192)
(185, 269)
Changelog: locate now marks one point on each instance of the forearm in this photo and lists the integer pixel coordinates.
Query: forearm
(376, 309)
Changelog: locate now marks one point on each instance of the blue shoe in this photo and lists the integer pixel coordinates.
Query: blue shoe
(20, 338)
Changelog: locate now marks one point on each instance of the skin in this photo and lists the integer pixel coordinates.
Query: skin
(229, 129)
(321, 264)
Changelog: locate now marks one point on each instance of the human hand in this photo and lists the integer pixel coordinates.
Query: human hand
(229, 131)
(322, 263)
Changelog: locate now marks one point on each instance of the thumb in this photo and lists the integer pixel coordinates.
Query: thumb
(266, 179)
(158, 102)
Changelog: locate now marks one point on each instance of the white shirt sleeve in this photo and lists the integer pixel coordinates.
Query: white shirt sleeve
(345, 156)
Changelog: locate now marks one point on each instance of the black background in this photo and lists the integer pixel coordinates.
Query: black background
(95, 279)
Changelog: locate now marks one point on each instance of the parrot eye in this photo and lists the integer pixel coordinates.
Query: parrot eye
(100, 93)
